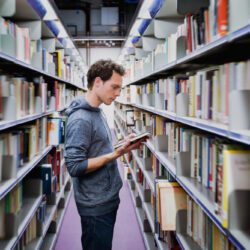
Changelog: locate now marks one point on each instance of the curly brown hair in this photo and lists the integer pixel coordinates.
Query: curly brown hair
(103, 69)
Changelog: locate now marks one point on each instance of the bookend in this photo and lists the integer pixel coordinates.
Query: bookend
(147, 129)
(150, 43)
(51, 199)
(147, 195)
(239, 103)
(8, 45)
(147, 163)
(67, 186)
(38, 105)
(160, 60)
(51, 68)
(166, 27)
(49, 45)
(132, 185)
(9, 103)
(52, 227)
(138, 202)
(36, 189)
(138, 99)
(181, 222)
(183, 160)
(146, 226)
(139, 53)
(37, 60)
(239, 215)
(52, 103)
(61, 203)
(159, 101)
(147, 67)
(181, 231)
(161, 143)
(11, 225)
(182, 104)
(7, 8)
(181, 47)
(148, 100)
(9, 168)
(138, 125)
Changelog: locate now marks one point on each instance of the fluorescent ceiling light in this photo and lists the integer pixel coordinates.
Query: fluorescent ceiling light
(144, 13)
(50, 14)
(62, 31)
(134, 30)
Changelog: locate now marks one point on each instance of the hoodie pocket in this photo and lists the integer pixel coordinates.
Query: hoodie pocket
(96, 182)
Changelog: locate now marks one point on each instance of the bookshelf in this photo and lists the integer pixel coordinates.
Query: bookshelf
(156, 60)
(35, 90)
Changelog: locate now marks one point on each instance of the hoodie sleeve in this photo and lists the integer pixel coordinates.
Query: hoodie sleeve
(78, 138)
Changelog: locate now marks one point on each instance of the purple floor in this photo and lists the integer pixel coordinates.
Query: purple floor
(127, 234)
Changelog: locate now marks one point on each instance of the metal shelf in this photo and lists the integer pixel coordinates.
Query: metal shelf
(50, 239)
(18, 66)
(194, 59)
(186, 243)
(30, 205)
(242, 136)
(50, 210)
(7, 185)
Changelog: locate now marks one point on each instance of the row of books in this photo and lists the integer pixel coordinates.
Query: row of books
(212, 162)
(29, 234)
(52, 171)
(28, 98)
(217, 163)
(208, 91)
(171, 200)
(52, 175)
(203, 231)
(168, 200)
(25, 142)
(22, 144)
(16, 41)
(196, 30)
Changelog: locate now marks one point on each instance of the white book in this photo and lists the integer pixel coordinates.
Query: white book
(20, 44)
(241, 75)
(223, 92)
(54, 131)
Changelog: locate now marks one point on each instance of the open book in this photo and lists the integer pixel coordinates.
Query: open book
(132, 140)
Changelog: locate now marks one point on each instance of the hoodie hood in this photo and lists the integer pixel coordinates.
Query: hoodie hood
(80, 103)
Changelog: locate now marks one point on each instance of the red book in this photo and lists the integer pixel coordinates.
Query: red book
(189, 33)
(222, 17)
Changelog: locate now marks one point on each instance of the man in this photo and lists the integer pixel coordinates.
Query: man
(90, 158)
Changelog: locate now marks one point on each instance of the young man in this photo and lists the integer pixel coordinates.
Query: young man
(91, 159)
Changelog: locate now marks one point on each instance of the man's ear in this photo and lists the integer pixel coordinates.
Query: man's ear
(97, 82)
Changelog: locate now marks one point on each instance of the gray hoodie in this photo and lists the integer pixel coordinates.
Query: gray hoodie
(88, 136)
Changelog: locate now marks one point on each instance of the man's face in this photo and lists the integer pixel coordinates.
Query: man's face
(108, 91)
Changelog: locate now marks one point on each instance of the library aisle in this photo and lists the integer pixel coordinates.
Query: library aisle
(127, 233)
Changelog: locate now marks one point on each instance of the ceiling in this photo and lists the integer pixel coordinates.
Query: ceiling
(107, 35)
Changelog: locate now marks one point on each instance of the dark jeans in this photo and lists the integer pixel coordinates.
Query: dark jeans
(97, 231)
